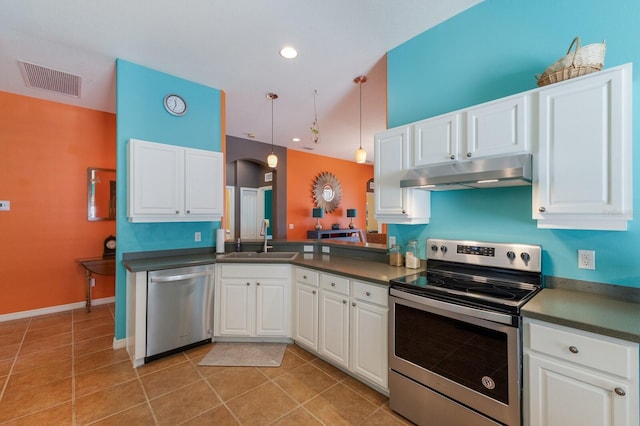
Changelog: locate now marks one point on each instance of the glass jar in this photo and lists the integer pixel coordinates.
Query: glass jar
(395, 255)
(411, 255)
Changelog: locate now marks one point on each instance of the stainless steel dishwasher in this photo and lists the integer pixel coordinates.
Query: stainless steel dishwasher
(179, 309)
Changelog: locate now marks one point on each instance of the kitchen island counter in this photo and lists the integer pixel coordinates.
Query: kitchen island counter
(595, 313)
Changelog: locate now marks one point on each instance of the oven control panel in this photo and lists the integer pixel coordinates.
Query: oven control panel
(523, 257)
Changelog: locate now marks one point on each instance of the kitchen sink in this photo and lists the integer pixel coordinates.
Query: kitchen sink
(259, 257)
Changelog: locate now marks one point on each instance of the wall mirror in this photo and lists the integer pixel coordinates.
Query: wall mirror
(327, 191)
(101, 194)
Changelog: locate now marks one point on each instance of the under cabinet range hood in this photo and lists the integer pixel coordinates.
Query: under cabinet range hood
(511, 170)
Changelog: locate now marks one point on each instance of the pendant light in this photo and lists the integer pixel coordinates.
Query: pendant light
(361, 154)
(272, 159)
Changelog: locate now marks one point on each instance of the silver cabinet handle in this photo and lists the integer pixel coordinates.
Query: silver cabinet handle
(344, 302)
(368, 293)
(404, 211)
(313, 292)
(452, 157)
(248, 283)
(333, 284)
(469, 154)
(304, 277)
(257, 283)
(542, 209)
(353, 304)
(181, 277)
(177, 211)
(620, 391)
(573, 349)
(188, 211)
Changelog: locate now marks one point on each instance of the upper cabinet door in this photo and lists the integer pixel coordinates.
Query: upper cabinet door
(436, 140)
(584, 159)
(155, 179)
(499, 127)
(203, 177)
(391, 161)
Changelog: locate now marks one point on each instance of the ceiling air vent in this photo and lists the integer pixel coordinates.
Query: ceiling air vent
(50, 79)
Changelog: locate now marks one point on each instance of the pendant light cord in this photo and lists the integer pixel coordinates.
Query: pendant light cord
(360, 86)
(272, 124)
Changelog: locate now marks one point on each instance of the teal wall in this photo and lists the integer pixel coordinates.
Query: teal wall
(493, 50)
(140, 114)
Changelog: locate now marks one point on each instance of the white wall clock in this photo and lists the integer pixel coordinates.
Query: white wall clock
(175, 105)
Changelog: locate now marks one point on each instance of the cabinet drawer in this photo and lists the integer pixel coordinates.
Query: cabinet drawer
(335, 283)
(604, 353)
(307, 276)
(371, 293)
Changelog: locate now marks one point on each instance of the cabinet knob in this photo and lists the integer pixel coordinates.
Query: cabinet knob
(368, 293)
(344, 302)
(188, 211)
(620, 391)
(248, 283)
(257, 283)
(469, 154)
(573, 349)
(177, 211)
(404, 211)
(353, 304)
(333, 284)
(313, 292)
(542, 209)
(452, 157)
(304, 276)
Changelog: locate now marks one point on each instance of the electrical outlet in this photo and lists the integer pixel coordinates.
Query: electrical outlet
(326, 249)
(5, 205)
(392, 240)
(291, 226)
(586, 259)
(197, 237)
(307, 249)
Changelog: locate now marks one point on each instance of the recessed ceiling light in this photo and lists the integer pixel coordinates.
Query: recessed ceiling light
(295, 139)
(288, 52)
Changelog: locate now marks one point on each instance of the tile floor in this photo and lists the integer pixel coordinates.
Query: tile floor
(61, 369)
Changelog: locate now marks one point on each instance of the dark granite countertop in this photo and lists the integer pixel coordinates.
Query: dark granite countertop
(372, 271)
(586, 311)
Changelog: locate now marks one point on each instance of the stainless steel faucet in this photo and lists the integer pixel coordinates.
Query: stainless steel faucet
(263, 231)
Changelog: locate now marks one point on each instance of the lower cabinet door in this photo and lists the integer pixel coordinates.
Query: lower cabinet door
(236, 307)
(369, 342)
(306, 316)
(561, 394)
(334, 327)
(272, 308)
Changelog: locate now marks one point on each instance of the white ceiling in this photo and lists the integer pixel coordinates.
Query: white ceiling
(230, 45)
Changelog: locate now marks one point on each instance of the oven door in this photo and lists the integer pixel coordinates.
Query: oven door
(457, 352)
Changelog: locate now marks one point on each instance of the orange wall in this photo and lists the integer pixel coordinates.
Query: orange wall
(45, 149)
(302, 169)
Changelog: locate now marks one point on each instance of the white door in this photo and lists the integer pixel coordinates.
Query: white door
(272, 308)
(391, 161)
(369, 342)
(334, 327)
(560, 394)
(306, 317)
(249, 214)
(236, 307)
(203, 182)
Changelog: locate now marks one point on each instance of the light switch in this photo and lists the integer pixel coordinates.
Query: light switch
(5, 205)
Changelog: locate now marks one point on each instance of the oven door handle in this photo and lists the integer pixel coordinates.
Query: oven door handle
(451, 307)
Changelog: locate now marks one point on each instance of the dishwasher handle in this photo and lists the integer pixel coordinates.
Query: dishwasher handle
(182, 277)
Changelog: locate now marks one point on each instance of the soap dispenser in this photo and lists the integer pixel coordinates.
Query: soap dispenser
(238, 245)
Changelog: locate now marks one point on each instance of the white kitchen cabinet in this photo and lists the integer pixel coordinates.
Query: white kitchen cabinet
(306, 308)
(169, 183)
(491, 129)
(369, 336)
(334, 319)
(436, 140)
(584, 162)
(253, 300)
(577, 377)
(395, 204)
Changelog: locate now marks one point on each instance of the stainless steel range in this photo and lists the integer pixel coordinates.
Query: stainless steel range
(455, 351)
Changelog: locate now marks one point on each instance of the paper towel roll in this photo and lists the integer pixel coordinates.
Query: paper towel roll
(220, 240)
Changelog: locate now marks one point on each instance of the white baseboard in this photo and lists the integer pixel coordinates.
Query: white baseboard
(119, 343)
(54, 309)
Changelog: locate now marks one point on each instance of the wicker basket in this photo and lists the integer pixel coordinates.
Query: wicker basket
(584, 60)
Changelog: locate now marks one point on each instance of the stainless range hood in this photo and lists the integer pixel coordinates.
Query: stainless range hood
(512, 170)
